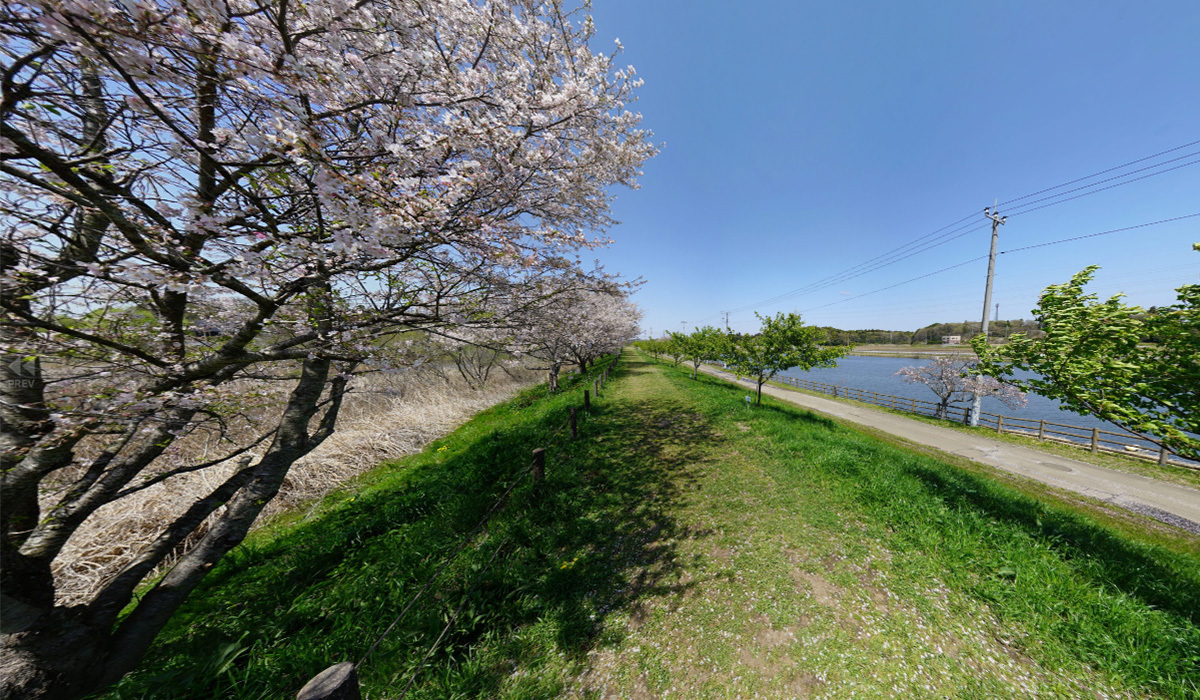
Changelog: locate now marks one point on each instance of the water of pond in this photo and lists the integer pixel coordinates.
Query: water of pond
(878, 374)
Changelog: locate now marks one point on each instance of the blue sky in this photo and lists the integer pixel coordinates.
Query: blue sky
(801, 139)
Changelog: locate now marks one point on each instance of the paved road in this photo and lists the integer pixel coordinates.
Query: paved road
(1170, 503)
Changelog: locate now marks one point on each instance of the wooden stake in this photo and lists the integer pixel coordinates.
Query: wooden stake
(539, 464)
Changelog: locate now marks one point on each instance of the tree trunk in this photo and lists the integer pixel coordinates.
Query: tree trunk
(51, 659)
(67, 653)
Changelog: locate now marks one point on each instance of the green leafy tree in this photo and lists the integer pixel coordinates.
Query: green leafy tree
(703, 345)
(654, 346)
(674, 347)
(1091, 360)
(782, 342)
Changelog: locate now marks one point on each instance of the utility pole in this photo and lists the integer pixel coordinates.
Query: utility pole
(727, 320)
(997, 221)
(683, 327)
(997, 314)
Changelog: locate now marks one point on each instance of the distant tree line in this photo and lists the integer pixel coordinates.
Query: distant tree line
(966, 330)
(931, 334)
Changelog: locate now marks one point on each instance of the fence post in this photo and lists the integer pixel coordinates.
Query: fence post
(1162, 456)
(587, 401)
(835, 390)
(1042, 430)
(999, 424)
(571, 420)
(967, 415)
(596, 388)
(338, 682)
(1095, 439)
(914, 405)
(539, 464)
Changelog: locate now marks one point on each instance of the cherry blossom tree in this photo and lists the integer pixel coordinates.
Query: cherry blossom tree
(604, 323)
(578, 326)
(953, 380)
(475, 352)
(202, 194)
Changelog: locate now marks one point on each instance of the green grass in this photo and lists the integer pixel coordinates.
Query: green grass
(1175, 474)
(690, 546)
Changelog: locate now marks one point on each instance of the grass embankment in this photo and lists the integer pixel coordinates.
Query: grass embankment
(1173, 473)
(687, 545)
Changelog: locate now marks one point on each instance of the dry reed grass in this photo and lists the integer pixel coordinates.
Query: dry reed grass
(385, 417)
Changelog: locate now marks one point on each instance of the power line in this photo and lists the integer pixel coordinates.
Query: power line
(951, 304)
(834, 277)
(959, 292)
(1102, 189)
(1102, 233)
(1014, 250)
(843, 277)
(892, 286)
(947, 237)
(933, 239)
(853, 271)
(1102, 172)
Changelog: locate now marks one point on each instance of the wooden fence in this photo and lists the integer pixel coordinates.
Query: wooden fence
(1096, 439)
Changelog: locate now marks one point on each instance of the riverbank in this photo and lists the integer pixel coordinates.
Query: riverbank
(1172, 503)
(914, 351)
(687, 545)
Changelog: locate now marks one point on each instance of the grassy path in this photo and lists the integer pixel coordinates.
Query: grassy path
(834, 565)
(1169, 501)
(690, 546)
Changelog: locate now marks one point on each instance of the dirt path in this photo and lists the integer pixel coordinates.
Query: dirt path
(1169, 503)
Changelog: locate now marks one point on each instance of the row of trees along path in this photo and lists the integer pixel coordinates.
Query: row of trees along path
(218, 211)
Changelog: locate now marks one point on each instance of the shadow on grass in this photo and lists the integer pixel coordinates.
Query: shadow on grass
(1101, 594)
(1117, 562)
(593, 540)
(771, 405)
